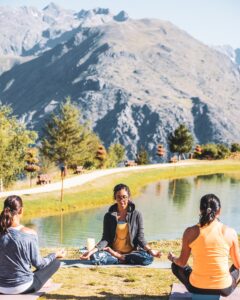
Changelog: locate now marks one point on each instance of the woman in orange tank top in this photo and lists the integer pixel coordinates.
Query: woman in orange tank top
(211, 243)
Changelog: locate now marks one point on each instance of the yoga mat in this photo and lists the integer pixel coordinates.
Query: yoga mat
(77, 263)
(52, 287)
(179, 292)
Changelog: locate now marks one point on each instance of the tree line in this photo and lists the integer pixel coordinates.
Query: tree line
(69, 141)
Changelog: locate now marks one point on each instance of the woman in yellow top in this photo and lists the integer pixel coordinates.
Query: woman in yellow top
(211, 243)
(123, 236)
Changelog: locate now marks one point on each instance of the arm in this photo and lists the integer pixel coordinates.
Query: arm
(106, 233)
(234, 250)
(104, 241)
(186, 250)
(140, 233)
(141, 239)
(36, 259)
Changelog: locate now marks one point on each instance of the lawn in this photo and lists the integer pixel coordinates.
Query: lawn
(115, 283)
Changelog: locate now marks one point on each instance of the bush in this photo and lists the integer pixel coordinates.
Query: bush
(213, 151)
(235, 147)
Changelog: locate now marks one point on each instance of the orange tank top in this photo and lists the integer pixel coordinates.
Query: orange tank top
(210, 254)
(122, 240)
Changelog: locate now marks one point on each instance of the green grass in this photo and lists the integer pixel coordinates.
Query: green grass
(115, 283)
(99, 192)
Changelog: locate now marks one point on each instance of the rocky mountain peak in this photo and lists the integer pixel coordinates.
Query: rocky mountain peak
(101, 11)
(52, 9)
(121, 16)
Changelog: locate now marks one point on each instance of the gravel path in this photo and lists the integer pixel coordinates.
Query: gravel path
(83, 178)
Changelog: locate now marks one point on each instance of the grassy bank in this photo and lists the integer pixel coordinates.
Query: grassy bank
(99, 192)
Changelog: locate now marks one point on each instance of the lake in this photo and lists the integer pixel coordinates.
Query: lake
(168, 207)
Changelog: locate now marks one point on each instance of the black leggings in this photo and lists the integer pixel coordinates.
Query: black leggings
(41, 276)
(183, 275)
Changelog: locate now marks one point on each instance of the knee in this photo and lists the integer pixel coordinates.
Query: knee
(56, 264)
(174, 268)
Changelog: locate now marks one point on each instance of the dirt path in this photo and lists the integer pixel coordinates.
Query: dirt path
(81, 179)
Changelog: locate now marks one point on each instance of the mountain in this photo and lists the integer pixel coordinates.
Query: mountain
(237, 59)
(136, 80)
(27, 32)
(233, 54)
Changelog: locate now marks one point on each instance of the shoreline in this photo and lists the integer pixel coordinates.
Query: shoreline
(97, 192)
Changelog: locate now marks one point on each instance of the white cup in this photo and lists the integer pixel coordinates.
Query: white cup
(90, 244)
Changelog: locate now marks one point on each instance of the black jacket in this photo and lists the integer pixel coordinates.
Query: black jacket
(135, 224)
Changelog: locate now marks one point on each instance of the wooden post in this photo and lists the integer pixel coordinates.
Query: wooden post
(1, 185)
(63, 174)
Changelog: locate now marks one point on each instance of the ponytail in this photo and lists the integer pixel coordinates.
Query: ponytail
(12, 206)
(209, 206)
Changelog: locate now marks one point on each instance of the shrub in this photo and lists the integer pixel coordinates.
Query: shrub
(235, 147)
(213, 151)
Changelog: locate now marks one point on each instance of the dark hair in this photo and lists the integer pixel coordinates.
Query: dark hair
(209, 206)
(12, 206)
(120, 187)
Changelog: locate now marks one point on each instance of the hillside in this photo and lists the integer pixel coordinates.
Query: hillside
(136, 80)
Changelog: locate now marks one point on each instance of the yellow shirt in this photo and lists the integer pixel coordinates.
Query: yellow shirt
(210, 254)
(121, 243)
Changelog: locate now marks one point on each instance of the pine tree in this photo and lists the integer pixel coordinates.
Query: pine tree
(15, 140)
(142, 157)
(66, 140)
(181, 141)
(116, 154)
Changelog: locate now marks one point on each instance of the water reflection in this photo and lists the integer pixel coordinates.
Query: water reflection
(179, 190)
(168, 207)
(158, 189)
(220, 177)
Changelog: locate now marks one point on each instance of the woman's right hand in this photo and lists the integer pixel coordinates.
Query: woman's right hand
(86, 255)
(171, 256)
(60, 253)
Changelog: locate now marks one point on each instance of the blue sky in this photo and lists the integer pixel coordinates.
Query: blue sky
(214, 22)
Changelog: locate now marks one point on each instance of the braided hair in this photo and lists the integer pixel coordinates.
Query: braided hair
(209, 206)
(12, 207)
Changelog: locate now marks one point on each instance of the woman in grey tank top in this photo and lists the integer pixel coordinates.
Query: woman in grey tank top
(19, 251)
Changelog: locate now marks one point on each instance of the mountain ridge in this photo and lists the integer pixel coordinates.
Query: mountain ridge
(135, 80)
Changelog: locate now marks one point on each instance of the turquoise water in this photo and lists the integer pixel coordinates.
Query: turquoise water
(168, 207)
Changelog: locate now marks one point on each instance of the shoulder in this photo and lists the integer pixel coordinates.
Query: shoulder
(229, 233)
(109, 216)
(29, 231)
(191, 233)
(137, 213)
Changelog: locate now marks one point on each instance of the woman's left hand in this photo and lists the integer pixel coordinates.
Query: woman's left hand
(155, 253)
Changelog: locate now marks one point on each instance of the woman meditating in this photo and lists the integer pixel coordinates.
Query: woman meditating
(19, 251)
(123, 237)
(211, 243)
